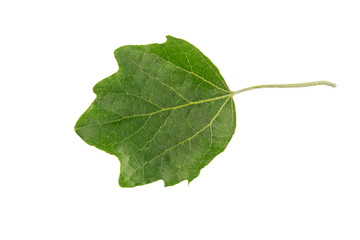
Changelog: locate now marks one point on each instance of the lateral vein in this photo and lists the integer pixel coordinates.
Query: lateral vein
(188, 139)
(189, 72)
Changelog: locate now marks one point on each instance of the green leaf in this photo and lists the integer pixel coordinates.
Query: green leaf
(165, 114)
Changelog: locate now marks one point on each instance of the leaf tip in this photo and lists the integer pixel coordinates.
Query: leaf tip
(170, 38)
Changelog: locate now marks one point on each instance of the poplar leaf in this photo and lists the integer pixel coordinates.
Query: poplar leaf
(166, 113)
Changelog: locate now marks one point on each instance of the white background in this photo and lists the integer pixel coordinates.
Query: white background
(291, 171)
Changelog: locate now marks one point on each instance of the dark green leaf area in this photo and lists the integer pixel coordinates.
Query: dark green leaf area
(165, 114)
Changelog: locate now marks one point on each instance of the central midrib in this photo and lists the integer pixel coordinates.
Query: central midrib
(161, 110)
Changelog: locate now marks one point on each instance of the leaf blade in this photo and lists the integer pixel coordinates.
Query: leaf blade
(157, 114)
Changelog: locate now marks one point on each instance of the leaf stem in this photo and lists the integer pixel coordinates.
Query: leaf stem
(292, 85)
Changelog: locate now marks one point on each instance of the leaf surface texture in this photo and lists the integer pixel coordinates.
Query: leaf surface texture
(165, 114)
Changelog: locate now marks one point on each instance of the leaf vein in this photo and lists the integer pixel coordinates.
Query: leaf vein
(188, 139)
(190, 72)
(158, 79)
(152, 113)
